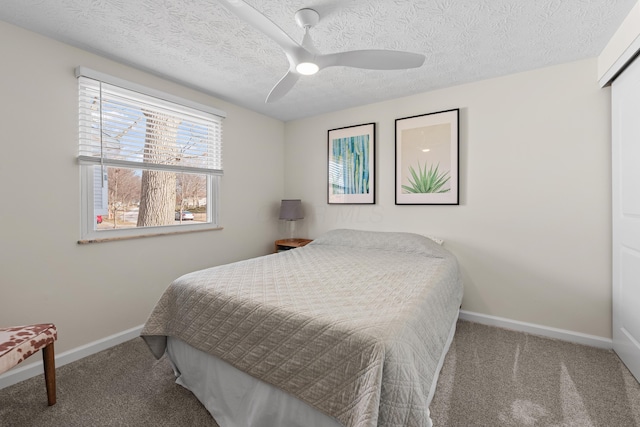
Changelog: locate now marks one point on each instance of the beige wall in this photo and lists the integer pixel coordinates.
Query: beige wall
(532, 232)
(93, 291)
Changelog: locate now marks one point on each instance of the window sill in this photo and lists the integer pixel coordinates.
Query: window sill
(168, 233)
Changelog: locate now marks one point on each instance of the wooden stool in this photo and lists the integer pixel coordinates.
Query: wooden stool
(19, 342)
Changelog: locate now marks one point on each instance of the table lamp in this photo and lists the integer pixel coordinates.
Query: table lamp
(291, 211)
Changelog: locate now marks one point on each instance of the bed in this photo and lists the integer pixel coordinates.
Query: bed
(350, 330)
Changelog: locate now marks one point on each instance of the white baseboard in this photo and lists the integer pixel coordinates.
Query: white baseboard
(27, 371)
(531, 328)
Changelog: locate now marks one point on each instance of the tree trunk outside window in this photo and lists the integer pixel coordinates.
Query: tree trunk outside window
(158, 195)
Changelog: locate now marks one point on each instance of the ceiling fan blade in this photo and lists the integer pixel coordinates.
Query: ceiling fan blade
(283, 86)
(261, 23)
(372, 59)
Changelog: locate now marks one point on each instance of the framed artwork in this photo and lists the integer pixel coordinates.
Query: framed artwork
(427, 159)
(351, 164)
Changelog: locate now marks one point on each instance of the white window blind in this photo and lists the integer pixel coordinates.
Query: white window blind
(150, 162)
(114, 124)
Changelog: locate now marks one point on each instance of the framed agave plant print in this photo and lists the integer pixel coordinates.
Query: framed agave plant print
(427, 159)
(351, 163)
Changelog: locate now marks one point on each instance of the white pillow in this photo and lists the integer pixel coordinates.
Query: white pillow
(383, 240)
(435, 239)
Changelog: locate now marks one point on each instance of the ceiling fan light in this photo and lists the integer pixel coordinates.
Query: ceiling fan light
(307, 68)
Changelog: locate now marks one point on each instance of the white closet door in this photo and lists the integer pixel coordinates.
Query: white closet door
(626, 216)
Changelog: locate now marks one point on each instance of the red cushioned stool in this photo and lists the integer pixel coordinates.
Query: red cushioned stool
(19, 342)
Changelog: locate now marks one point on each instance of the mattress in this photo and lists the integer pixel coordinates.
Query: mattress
(354, 324)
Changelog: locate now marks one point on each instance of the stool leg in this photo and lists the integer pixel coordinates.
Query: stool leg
(48, 356)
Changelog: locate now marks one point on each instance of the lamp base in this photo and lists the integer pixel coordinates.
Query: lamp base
(291, 229)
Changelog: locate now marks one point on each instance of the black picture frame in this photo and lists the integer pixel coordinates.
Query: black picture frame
(351, 152)
(427, 159)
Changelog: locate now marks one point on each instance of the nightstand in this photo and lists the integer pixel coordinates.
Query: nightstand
(286, 244)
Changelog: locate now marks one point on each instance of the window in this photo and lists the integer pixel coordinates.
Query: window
(150, 161)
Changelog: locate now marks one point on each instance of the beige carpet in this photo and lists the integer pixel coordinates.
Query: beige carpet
(496, 377)
(491, 377)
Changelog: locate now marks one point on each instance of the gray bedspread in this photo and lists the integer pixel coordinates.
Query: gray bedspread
(354, 323)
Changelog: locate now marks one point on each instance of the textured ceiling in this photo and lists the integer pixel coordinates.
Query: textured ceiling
(200, 44)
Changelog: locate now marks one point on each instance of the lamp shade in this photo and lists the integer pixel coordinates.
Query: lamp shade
(291, 210)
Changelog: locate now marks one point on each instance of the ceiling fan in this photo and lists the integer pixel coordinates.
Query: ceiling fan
(304, 59)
